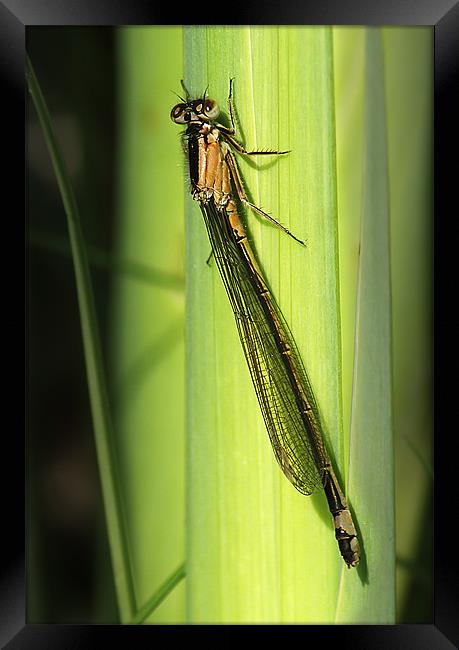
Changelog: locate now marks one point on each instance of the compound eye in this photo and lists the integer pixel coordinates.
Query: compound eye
(211, 109)
(178, 114)
(198, 106)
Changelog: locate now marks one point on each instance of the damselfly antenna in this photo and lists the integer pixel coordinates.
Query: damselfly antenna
(177, 95)
(187, 94)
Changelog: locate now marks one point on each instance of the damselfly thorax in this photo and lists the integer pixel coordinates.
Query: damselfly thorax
(210, 174)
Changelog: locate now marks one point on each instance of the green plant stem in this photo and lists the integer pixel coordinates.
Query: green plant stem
(113, 263)
(257, 550)
(93, 357)
(158, 597)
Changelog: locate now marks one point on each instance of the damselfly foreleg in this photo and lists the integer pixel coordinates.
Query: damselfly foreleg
(230, 133)
(230, 108)
(237, 180)
(238, 146)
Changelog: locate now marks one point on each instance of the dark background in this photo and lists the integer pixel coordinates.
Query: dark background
(68, 556)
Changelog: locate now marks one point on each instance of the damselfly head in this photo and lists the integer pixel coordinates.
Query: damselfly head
(195, 111)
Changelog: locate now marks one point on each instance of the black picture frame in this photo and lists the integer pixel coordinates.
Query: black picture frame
(15, 16)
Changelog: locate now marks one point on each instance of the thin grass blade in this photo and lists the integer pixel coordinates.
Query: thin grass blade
(368, 595)
(101, 415)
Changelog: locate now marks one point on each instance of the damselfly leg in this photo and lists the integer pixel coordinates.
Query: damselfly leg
(237, 180)
(230, 133)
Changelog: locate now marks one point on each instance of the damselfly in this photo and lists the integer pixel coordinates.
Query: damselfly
(285, 395)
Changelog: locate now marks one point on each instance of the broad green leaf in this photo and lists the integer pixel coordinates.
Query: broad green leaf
(257, 550)
(408, 100)
(408, 63)
(368, 596)
(147, 366)
(349, 75)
